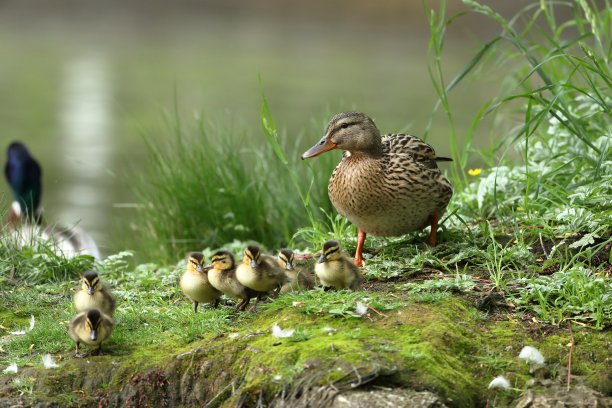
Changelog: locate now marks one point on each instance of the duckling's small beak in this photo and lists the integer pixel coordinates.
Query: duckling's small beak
(94, 335)
(253, 263)
(324, 145)
(199, 268)
(208, 267)
(90, 290)
(322, 259)
(289, 266)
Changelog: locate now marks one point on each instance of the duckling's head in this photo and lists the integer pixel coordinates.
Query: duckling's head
(94, 318)
(222, 260)
(251, 256)
(331, 252)
(352, 131)
(91, 282)
(195, 262)
(285, 258)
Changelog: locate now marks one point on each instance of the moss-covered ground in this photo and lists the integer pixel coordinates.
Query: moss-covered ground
(442, 340)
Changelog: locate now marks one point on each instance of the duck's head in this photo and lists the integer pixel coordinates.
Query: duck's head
(23, 174)
(94, 318)
(222, 261)
(195, 262)
(251, 257)
(351, 131)
(331, 252)
(285, 259)
(91, 282)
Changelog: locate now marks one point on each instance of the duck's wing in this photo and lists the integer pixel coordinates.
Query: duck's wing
(411, 148)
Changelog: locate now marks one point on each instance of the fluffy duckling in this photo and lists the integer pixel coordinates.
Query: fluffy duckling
(259, 272)
(222, 276)
(195, 284)
(90, 327)
(94, 295)
(298, 279)
(336, 270)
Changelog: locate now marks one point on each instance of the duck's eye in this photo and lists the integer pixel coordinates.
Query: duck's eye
(344, 125)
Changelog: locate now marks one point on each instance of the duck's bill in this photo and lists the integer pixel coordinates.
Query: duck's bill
(323, 146)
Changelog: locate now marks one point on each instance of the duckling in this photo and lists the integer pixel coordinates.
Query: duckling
(222, 276)
(298, 279)
(336, 270)
(90, 327)
(260, 272)
(24, 219)
(195, 284)
(94, 295)
(385, 185)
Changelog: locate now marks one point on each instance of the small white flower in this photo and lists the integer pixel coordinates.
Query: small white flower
(499, 382)
(12, 369)
(233, 335)
(328, 329)
(48, 361)
(361, 309)
(280, 333)
(531, 355)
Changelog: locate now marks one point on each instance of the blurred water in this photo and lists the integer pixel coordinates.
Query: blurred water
(81, 92)
(86, 143)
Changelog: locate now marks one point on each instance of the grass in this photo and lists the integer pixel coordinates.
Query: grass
(533, 227)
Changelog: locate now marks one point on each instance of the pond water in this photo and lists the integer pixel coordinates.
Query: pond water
(83, 94)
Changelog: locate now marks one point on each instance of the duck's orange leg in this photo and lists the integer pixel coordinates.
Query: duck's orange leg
(361, 237)
(432, 240)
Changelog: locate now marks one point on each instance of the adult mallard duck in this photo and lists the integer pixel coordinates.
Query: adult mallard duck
(386, 185)
(24, 219)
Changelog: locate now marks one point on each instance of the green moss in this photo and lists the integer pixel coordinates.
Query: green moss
(424, 346)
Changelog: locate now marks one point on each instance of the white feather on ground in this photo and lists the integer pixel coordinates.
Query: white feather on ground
(531, 355)
(280, 333)
(499, 382)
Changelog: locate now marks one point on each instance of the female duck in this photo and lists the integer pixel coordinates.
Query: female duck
(386, 185)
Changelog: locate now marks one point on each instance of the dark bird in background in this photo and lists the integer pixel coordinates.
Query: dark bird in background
(23, 174)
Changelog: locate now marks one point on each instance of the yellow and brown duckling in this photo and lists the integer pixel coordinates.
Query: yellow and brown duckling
(336, 270)
(94, 295)
(260, 272)
(194, 282)
(386, 185)
(222, 276)
(90, 327)
(299, 279)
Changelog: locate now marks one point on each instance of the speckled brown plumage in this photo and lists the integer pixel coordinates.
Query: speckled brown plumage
(392, 194)
(386, 185)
